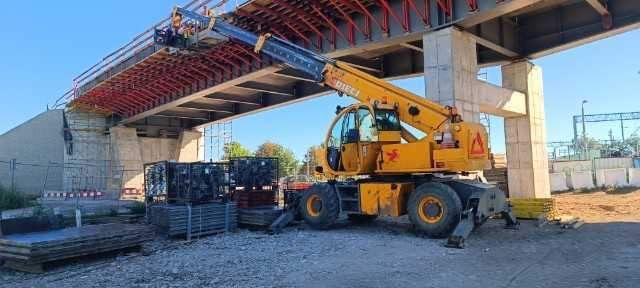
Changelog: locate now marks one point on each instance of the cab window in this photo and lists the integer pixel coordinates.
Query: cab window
(367, 126)
(349, 131)
(387, 120)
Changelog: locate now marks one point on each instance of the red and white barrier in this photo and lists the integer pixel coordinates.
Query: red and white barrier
(69, 195)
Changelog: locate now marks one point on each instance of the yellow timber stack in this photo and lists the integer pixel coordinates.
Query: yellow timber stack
(534, 208)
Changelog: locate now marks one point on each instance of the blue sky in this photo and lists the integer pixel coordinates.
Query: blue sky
(51, 42)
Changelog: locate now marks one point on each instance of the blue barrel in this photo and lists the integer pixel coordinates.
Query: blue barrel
(636, 162)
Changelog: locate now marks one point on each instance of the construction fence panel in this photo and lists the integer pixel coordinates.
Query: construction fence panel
(570, 166)
(47, 179)
(612, 163)
(5, 174)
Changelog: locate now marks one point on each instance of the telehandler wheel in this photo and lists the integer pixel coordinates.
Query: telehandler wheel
(361, 218)
(319, 206)
(434, 208)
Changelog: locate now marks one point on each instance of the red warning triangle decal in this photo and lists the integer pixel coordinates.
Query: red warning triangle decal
(477, 147)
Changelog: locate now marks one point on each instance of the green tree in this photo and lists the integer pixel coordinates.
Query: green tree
(286, 159)
(590, 143)
(235, 149)
(633, 143)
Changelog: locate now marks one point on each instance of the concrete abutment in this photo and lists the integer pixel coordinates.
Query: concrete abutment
(130, 152)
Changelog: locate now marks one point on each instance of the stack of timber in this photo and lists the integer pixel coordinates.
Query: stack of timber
(178, 220)
(535, 208)
(498, 177)
(30, 252)
(261, 216)
(498, 160)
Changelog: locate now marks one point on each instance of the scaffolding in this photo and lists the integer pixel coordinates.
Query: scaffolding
(88, 166)
(217, 136)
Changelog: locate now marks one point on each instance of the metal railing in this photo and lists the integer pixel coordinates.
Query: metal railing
(139, 42)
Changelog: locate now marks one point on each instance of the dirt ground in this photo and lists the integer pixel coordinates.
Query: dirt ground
(599, 206)
(604, 253)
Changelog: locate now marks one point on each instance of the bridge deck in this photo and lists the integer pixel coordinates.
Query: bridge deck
(151, 87)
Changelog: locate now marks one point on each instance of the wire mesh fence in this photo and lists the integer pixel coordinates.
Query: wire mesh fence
(28, 188)
(61, 180)
(569, 150)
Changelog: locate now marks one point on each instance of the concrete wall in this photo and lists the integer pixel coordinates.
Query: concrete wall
(131, 152)
(558, 182)
(37, 141)
(158, 149)
(634, 177)
(580, 180)
(611, 177)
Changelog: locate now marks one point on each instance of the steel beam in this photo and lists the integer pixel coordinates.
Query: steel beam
(224, 98)
(205, 108)
(259, 87)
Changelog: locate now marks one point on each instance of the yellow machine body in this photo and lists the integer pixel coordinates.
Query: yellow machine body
(385, 199)
(383, 151)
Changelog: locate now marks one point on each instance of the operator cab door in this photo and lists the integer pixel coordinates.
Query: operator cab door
(342, 144)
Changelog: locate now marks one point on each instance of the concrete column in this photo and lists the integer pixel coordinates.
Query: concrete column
(451, 71)
(201, 145)
(527, 162)
(188, 148)
(126, 155)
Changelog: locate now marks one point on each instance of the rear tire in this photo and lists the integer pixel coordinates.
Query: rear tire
(434, 209)
(361, 218)
(319, 206)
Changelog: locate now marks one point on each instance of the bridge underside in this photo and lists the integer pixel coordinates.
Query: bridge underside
(155, 90)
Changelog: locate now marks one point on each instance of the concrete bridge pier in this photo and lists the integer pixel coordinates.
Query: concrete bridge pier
(451, 78)
(527, 159)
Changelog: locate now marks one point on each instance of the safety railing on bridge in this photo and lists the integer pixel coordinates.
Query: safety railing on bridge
(137, 44)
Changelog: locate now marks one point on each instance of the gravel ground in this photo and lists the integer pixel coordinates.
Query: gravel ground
(381, 254)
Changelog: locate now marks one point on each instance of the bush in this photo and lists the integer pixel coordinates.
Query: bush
(12, 200)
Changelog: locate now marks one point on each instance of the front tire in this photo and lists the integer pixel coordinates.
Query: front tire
(434, 209)
(319, 206)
